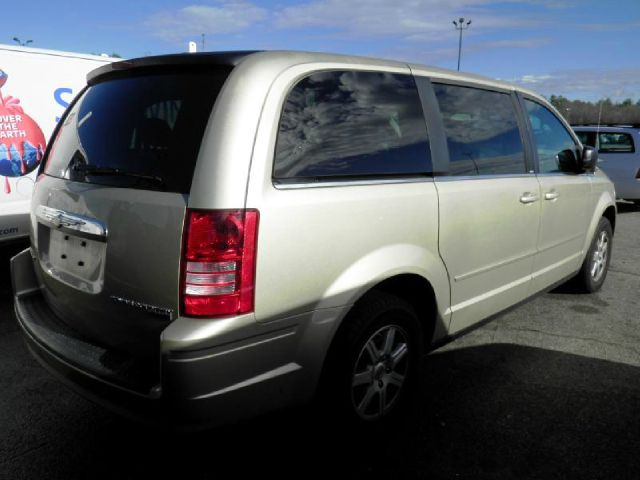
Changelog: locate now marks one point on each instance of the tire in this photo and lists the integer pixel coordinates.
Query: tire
(596, 263)
(373, 362)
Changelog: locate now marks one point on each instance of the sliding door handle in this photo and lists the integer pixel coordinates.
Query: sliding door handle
(528, 197)
(552, 195)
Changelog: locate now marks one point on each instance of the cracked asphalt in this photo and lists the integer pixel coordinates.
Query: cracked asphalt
(550, 389)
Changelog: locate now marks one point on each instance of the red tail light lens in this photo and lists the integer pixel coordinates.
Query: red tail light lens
(218, 262)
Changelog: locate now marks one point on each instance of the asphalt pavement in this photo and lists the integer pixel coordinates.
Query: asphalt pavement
(550, 389)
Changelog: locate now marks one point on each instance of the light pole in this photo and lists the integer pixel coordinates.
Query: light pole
(461, 24)
(21, 43)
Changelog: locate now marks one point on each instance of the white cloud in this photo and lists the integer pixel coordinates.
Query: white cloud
(592, 85)
(513, 43)
(403, 20)
(193, 20)
(533, 79)
(415, 53)
(609, 27)
(417, 20)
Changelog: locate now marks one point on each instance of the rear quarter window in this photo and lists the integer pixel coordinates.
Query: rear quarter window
(352, 124)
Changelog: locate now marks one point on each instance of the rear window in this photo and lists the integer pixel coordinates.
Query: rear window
(608, 142)
(137, 132)
(352, 124)
(616, 142)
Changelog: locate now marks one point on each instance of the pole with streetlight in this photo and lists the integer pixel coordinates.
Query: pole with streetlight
(461, 24)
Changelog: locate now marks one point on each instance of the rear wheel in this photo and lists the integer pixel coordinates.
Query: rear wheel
(374, 361)
(596, 263)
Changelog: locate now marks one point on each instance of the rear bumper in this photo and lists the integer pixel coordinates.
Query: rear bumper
(195, 388)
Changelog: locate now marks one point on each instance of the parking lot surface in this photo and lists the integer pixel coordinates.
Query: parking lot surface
(550, 389)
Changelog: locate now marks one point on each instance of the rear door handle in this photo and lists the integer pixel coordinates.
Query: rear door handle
(528, 197)
(552, 195)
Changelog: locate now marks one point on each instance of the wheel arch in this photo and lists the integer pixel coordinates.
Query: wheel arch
(610, 214)
(605, 207)
(418, 292)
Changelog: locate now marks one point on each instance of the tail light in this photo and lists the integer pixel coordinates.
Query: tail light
(218, 262)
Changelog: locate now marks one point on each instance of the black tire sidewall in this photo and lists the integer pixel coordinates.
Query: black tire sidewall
(367, 317)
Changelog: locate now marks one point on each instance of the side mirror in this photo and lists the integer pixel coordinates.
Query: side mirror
(589, 159)
(567, 161)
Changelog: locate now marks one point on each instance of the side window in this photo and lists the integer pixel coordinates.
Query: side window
(482, 131)
(616, 142)
(587, 138)
(350, 123)
(555, 146)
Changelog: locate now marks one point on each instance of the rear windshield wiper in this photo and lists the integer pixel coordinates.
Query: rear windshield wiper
(91, 170)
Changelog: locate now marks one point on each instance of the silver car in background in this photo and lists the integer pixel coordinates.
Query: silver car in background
(618, 155)
(217, 235)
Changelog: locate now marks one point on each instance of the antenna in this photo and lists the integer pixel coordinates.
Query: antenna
(597, 145)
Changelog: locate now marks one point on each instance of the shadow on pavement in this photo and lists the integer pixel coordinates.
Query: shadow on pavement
(495, 411)
(627, 207)
(6, 252)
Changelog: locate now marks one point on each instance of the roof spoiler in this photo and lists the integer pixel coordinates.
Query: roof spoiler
(229, 59)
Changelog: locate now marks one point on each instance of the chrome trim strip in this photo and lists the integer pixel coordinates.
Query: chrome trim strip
(479, 271)
(164, 312)
(485, 296)
(562, 242)
(348, 183)
(564, 261)
(503, 263)
(71, 222)
(451, 178)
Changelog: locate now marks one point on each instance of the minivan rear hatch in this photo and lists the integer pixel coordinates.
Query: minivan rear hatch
(108, 212)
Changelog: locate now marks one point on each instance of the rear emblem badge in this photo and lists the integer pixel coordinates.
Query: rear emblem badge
(165, 312)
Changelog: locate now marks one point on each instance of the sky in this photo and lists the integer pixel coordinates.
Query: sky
(582, 49)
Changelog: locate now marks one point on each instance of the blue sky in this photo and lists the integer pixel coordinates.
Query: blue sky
(583, 49)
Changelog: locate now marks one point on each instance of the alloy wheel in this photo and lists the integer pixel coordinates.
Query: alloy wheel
(380, 372)
(600, 256)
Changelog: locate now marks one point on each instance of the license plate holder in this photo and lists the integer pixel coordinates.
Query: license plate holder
(74, 260)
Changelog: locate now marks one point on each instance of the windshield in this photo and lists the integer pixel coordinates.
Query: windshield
(137, 132)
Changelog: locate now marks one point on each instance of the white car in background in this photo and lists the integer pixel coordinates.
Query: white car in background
(36, 86)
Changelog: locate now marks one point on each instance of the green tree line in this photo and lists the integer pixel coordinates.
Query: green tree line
(579, 112)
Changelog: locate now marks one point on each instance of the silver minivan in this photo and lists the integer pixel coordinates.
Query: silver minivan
(218, 235)
(618, 155)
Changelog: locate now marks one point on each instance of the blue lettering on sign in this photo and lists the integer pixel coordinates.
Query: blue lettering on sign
(57, 95)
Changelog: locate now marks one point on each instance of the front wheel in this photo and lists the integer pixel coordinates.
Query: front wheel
(374, 361)
(596, 263)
